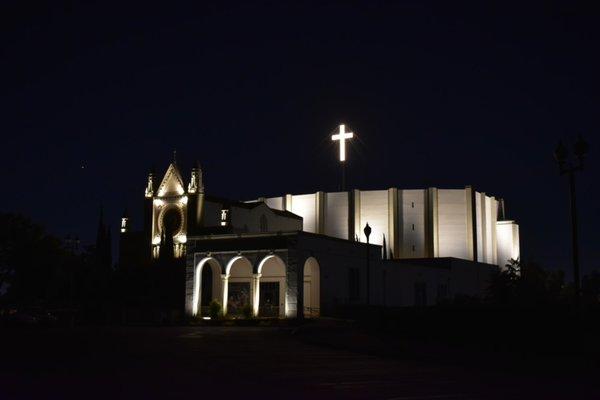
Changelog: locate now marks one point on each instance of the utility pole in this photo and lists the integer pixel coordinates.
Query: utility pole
(569, 167)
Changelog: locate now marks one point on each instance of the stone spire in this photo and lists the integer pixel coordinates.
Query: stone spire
(196, 185)
(150, 185)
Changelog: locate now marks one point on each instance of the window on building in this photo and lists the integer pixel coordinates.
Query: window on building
(413, 248)
(353, 283)
(412, 204)
(413, 227)
(224, 216)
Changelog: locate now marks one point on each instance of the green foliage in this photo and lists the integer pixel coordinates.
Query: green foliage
(215, 310)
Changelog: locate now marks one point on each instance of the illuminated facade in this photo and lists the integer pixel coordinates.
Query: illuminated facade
(305, 255)
(412, 223)
(175, 210)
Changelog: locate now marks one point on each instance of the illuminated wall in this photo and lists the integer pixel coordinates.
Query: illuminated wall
(417, 223)
(374, 210)
(412, 209)
(336, 215)
(452, 223)
(508, 241)
(305, 206)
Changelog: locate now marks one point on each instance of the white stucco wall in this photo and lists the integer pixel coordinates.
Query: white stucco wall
(304, 205)
(452, 223)
(411, 211)
(374, 211)
(275, 202)
(507, 234)
(336, 215)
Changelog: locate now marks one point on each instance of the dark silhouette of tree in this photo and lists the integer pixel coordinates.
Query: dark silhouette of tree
(590, 288)
(34, 266)
(527, 284)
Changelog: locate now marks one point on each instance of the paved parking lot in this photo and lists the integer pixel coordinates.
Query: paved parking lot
(238, 362)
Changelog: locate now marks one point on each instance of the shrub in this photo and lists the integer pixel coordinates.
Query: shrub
(215, 310)
(247, 311)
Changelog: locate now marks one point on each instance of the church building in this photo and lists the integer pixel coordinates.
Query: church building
(305, 255)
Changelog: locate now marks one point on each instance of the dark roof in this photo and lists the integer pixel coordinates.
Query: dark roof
(250, 206)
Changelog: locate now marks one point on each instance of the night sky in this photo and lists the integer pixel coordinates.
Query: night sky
(94, 96)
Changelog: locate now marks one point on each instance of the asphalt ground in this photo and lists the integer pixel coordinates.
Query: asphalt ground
(249, 363)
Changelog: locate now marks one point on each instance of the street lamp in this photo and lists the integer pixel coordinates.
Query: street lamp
(367, 232)
(561, 155)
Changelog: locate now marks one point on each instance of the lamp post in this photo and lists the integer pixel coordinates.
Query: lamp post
(569, 167)
(367, 232)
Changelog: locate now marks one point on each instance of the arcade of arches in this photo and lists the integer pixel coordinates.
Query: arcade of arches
(262, 289)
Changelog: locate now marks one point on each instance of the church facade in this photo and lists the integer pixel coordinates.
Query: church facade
(307, 255)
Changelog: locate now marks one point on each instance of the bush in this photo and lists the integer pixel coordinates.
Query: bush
(215, 310)
(247, 311)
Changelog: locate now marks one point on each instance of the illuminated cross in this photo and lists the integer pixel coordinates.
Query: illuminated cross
(342, 136)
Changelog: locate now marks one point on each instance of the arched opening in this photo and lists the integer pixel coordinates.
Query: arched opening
(312, 288)
(239, 287)
(272, 287)
(207, 285)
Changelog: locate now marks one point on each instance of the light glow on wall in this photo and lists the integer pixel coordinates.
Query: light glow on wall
(158, 202)
(342, 136)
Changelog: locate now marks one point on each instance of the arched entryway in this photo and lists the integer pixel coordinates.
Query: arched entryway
(239, 293)
(207, 285)
(312, 288)
(270, 295)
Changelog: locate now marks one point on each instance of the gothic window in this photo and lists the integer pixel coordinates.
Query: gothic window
(264, 225)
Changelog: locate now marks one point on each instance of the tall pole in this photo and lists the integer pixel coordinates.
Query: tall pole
(575, 245)
(343, 176)
(561, 155)
(367, 232)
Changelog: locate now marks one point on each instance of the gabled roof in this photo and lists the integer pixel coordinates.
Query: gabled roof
(172, 183)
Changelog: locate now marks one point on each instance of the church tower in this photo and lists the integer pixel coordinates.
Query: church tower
(172, 210)
(195, 200)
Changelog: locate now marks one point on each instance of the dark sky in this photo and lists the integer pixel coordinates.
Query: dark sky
(437, 96)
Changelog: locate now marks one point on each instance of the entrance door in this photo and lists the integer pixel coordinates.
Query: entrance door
(238, 297)
(269, 299)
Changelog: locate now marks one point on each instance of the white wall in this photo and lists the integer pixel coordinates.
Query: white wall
(304, 205)
(275, 202)
(507, 234)
(452, 223)
(336, 215)
(374, 210)
(411, 211)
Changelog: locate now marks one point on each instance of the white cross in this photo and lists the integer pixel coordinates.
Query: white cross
(342, 136)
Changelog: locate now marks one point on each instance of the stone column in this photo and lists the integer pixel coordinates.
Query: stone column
(256, 293)
(225, 287)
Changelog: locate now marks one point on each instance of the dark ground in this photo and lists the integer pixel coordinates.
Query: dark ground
(257, 362)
